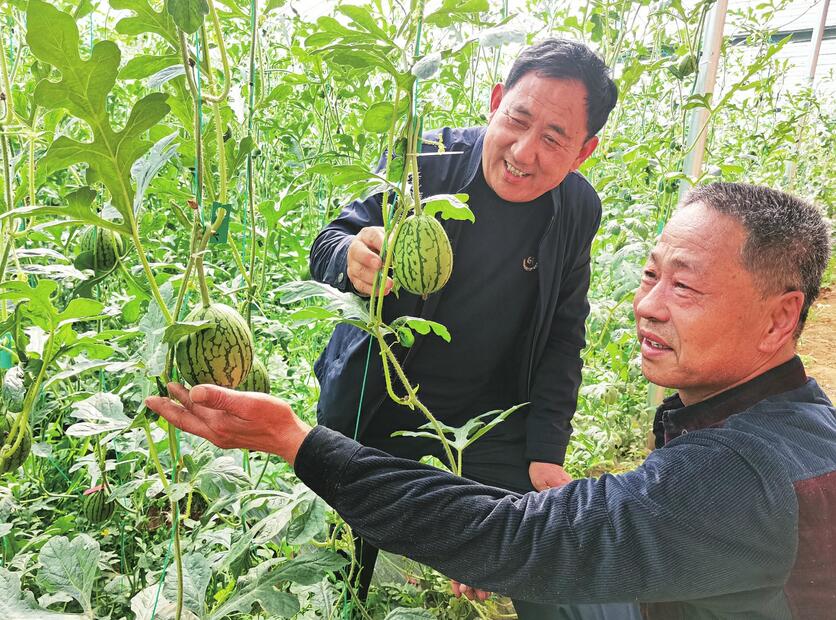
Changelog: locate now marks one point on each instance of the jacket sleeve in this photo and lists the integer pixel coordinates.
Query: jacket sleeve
(557, 377)
(706, 515)
(328, 257)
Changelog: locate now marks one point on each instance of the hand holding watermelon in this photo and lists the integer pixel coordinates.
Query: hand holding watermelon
(364, 262)
(232, 419)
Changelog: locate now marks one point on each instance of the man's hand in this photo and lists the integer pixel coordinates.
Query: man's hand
(547, 475)
(364, 261)
(231, 419)
(459, 589)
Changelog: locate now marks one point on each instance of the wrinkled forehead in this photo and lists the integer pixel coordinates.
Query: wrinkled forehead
(700, 239)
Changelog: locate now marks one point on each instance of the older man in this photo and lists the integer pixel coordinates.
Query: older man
(732, 515)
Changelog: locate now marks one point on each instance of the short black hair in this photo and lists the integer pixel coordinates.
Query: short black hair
(564, 59)
(787, 243)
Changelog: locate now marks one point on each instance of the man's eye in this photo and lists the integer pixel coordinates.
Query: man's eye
(550, 141)
(513, 120)
(681, 285)
(649, 274)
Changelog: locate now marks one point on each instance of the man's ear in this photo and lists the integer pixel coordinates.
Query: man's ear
(496, 96)
(586, 151)
(783, 319)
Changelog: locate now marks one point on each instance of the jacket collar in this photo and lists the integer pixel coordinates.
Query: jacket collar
(673, 418)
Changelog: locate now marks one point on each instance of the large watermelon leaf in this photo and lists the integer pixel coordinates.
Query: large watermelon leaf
(145, 19)
(53, 38)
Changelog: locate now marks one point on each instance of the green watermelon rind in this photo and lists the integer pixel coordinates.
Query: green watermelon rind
(98, 507)
(104, 246)
(257, 380)
(422, 256)
(221, 354)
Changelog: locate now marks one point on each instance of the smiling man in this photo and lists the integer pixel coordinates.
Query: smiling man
(732, 516)
(516, 300)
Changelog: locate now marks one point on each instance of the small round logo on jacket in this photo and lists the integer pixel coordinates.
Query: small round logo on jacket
(530, 263)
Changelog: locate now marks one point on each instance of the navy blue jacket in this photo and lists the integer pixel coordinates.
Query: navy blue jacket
(734, 517)
(550, 372)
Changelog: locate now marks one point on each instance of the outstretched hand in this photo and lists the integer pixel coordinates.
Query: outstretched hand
(231, 419)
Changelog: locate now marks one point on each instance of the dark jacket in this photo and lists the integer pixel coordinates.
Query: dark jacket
(550, 370)
(733, 518)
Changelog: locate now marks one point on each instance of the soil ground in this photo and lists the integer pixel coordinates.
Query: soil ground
(817, 344)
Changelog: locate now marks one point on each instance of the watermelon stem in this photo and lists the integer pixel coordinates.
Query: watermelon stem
(412, 400)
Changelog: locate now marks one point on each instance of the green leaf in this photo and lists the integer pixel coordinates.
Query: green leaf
(361, 17)
(196, 576)
(85, 366)
(450, 206)
(187, 14)
(70, 567)
(53, 38)
(378, 118)
(143, 65)
(14, 390)
(422, 326)
(153, 325)
(407, 613)
(340, 305)
(145, 19)
(221, 475)
(101, 413)
(20, 605)
(174, 332)
(146, 168)
(258, 586)
(39, 309)
(81, 309)
(456, 10)
(308, 520)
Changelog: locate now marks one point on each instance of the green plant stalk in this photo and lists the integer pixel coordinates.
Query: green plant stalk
(414, 400)
(201, 249)
(7, 226)
(9, 114)
(18, 429)
(216, 115)
(216, 26)
(250, 180)
(149, 274)
(155, 457)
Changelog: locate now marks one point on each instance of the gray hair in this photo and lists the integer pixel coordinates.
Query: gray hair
(788, 240)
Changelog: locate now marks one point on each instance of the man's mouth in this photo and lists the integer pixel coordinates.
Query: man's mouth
(654, 344)
(515, 171)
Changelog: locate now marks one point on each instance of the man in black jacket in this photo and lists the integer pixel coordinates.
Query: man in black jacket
(516, 300)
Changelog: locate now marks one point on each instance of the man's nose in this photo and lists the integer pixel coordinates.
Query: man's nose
(525, 148)
(649, 304)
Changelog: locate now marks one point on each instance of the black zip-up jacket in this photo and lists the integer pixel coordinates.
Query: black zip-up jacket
(550, 374)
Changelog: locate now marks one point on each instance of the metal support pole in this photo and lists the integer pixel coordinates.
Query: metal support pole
(706, 79)
(815, 43)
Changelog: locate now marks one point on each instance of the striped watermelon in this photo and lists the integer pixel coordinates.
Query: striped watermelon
(221, 354)
(423, 258)
(98, 507)
(104, 248)
(257, 379)
(11, 462)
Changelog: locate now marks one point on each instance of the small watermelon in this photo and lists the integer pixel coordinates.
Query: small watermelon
(10, 462)
(257, 379)
(100, 249)
(98, 507)
(423, 257)
(221, 354)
